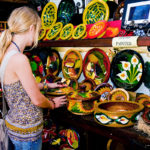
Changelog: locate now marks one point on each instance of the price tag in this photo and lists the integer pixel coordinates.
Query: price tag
(128, 41)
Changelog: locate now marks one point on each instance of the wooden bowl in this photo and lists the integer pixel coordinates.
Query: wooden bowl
(117, 113)
(82, 103)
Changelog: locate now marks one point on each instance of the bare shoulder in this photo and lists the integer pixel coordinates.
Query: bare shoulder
(19, 58)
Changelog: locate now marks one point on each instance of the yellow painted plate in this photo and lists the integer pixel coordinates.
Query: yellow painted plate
(66, 32)
(72, 64)
(54, 31)
(42, 33)
(79, 31)
(49, 15)
(95, 11)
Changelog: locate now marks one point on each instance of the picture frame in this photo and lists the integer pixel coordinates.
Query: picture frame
(136, 15)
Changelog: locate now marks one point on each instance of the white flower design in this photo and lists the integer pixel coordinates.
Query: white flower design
(139, 76)
(134, 61)
(140, 67)
(123, 75)
(126, 65)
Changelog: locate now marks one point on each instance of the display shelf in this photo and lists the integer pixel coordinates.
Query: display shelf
(136, 140)
(103, 42)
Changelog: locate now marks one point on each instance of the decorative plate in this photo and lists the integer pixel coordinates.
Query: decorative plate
(54, 31)
(66, 32)
(42, 33)
(98, 29)
(72, 64)
(79, 31)
(36, 66)
(119, 12)
(66, 11)
(118, 94)
(73, 138)
(88, 84)
(143, 99)
(104, 89)
(96, 66)
(146, 116)
(49, 15)
(127, 70)
(95, 11)
(53, 65)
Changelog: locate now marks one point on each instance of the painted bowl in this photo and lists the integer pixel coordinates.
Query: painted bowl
(95, 11)
(72, 64)
(127, 69)
(49, 15)
(96, 66)
(82, 103)
(117, 113)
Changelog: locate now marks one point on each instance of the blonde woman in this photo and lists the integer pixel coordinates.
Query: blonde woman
(24, 120)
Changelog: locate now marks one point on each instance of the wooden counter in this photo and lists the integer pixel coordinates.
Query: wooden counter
(135, 140)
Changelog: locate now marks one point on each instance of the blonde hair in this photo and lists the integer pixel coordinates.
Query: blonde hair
(19, 21)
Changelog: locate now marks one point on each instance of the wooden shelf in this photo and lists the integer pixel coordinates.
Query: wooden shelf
(106, 42)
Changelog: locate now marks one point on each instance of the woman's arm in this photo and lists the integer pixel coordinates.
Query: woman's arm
(25, 75)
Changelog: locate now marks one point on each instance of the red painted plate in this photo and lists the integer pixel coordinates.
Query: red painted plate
(96, 66)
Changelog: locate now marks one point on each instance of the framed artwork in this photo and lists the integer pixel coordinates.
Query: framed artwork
(136, 14)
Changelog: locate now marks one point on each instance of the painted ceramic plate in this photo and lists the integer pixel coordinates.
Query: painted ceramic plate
(118, 94)
(104, 90)
(42, 33)
(95, 11)
(96, 66)
(73, 138)
(54, 31)
(53, 65)
(36, 66)
(72, 64)
(79, 31)
(66, 32)
(49, 15)
(127, 70)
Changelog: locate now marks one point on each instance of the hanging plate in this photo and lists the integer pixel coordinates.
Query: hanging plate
(72, 64)
(66, 32)
(42, 33)
(96, 66)
(36, 66)
(54, 31)
(53, 65)
(95, 11)
(127, 70)
(49, 15)
(79, 31)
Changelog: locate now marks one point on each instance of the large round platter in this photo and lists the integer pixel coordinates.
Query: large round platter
(49, 15)
(66, 32)
(53, 65)
(95, 11)
(127, 70)
(96, 66)
(54, 31)
(72, 64)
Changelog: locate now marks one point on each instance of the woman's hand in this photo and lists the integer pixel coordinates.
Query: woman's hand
(56, 85)
(59, 101)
